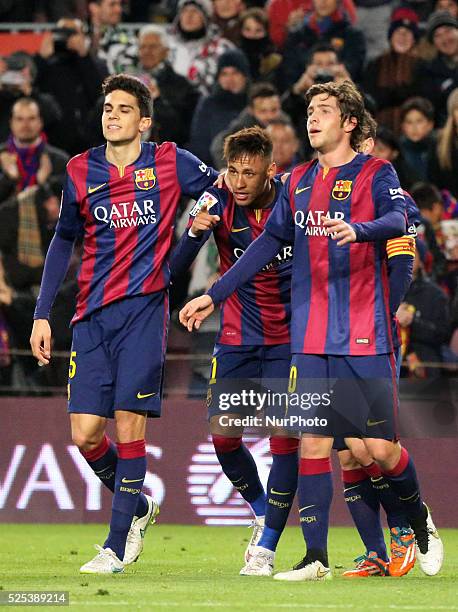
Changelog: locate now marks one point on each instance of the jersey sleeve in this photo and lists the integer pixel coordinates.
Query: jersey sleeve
(387, 192)
(193, 175)
(281, 222)
(70, 223)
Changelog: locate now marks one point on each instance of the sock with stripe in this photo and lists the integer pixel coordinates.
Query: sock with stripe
(395, 514)
(315, 496)
(239, 466)
(281, 488)
(404, 482)
(130, 474)
(364, 506)
(103, 461)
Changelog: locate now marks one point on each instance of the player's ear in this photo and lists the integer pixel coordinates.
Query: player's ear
(350, 124)
(272, 170)
(145, 124)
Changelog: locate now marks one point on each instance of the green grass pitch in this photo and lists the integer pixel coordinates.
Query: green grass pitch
(196, 568)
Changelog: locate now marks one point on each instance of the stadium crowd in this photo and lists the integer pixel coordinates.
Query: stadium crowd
(214, 67)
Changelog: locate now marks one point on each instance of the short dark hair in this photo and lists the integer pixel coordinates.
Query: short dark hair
(425, 195)
(350, 102)
(249, 142)
(422, 105)
(261, 90)
(133, 86)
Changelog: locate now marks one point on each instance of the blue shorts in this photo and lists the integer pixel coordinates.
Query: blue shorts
(117, 357)
(354, 396)
(339, 442)
(238, 368)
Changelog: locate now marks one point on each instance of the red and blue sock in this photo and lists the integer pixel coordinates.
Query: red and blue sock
(130, 474)
(281, 488)
(103, 460)
(404, 482)
(364, 506)
(239, 466)
(315, 496)
(395, 514)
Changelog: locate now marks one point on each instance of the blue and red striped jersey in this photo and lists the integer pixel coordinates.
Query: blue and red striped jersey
(259, 312)
(126, 216)
(340, 295)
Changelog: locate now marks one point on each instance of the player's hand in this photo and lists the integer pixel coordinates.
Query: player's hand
(221, 180)
(196, 311)
(40, 341)
(339, 230)
(203, 221)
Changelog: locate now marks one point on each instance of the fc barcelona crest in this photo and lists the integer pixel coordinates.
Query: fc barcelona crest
(145, 179)
(341, 190)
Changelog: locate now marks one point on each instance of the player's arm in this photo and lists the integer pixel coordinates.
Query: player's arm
(390, 209)
(55, 269)
(200, 226)
(193, 175)
(401, 255)
(279, 230)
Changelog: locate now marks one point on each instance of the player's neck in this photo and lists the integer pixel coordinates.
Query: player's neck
(266, 198)
(341, 155)
(123, 154)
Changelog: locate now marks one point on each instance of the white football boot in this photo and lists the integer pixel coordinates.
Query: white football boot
(136, 535)
(258, 528)
(429, 546)
(105, 562)
(306, 571)
(261, 563)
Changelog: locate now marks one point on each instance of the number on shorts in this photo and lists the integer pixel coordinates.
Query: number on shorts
(292, 379)
(213, 371)
(72, 365)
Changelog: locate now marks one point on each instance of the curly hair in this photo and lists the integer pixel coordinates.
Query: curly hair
(350, 103)
(133, 86)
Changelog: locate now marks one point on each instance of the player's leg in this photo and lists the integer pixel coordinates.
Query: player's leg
(231, 369)
(315, 478)
(282, 481)
(364, 506)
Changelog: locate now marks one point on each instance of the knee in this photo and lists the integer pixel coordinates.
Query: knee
(359, 452)
(386, 454)
(347, 460)
(86, 441)
(315, 448)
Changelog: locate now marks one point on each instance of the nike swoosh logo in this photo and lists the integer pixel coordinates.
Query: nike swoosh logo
(321, 574)
(234, 230)
(279, 492)
(306, 507)
(128, 480)
(92, 189)
(300, 190)
(104, 470)
(350, 488)
(372, 423)
(143, 395)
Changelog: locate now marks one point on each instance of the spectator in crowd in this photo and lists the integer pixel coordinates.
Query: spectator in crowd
(451, 6)
(68, 71)
(196, 43)
(394, 76)
(174, 97)
(226, 14)
(387, 147)
(227, 100)
(441, 73)
(16, 82)
(327, 23)
(323, 65)
(429, 201)
(255, 42)
(26, 159)
(286, 15)
(264, 105)
(285, 144)
(110, 41)
(424, 320)
(373, 18)
(444, 168)
(418, 142)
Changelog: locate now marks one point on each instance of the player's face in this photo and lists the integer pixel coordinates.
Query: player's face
(416, 126)
(249, 178)
(121, 121)
(26, 123)
(324, 124)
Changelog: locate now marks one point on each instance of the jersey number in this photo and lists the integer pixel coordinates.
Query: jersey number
(72, 365)
(292, 379)
(213, 372)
